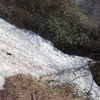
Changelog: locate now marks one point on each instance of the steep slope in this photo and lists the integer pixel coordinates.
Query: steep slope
(59, 21)
(24, 52)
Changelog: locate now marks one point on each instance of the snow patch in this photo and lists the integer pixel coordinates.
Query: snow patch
(24, 52)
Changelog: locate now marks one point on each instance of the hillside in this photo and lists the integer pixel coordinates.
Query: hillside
(61, 22)
(24, 52)
(31, 67)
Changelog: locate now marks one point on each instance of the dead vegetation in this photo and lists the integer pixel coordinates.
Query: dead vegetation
(23, 87)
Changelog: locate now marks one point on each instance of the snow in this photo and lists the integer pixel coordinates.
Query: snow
(24, 52)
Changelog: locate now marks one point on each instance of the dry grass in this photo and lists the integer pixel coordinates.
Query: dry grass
(23, 87)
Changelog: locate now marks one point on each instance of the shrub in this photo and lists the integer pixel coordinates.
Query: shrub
(60, 21)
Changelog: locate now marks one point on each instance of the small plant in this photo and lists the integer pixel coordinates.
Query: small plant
(66, 89)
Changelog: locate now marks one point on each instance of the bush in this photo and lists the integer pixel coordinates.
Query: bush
(60, 21)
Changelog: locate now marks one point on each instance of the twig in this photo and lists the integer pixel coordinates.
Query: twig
(33, 97)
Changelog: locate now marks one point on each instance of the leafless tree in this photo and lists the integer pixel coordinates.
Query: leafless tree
(92, 9)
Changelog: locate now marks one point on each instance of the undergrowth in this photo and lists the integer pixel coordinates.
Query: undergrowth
(60, 21)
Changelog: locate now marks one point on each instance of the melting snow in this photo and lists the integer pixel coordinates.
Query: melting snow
(24, 52)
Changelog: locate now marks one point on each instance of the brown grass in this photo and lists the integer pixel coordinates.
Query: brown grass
(23, 87)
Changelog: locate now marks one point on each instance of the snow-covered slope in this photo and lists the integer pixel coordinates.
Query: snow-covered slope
(24, 52)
